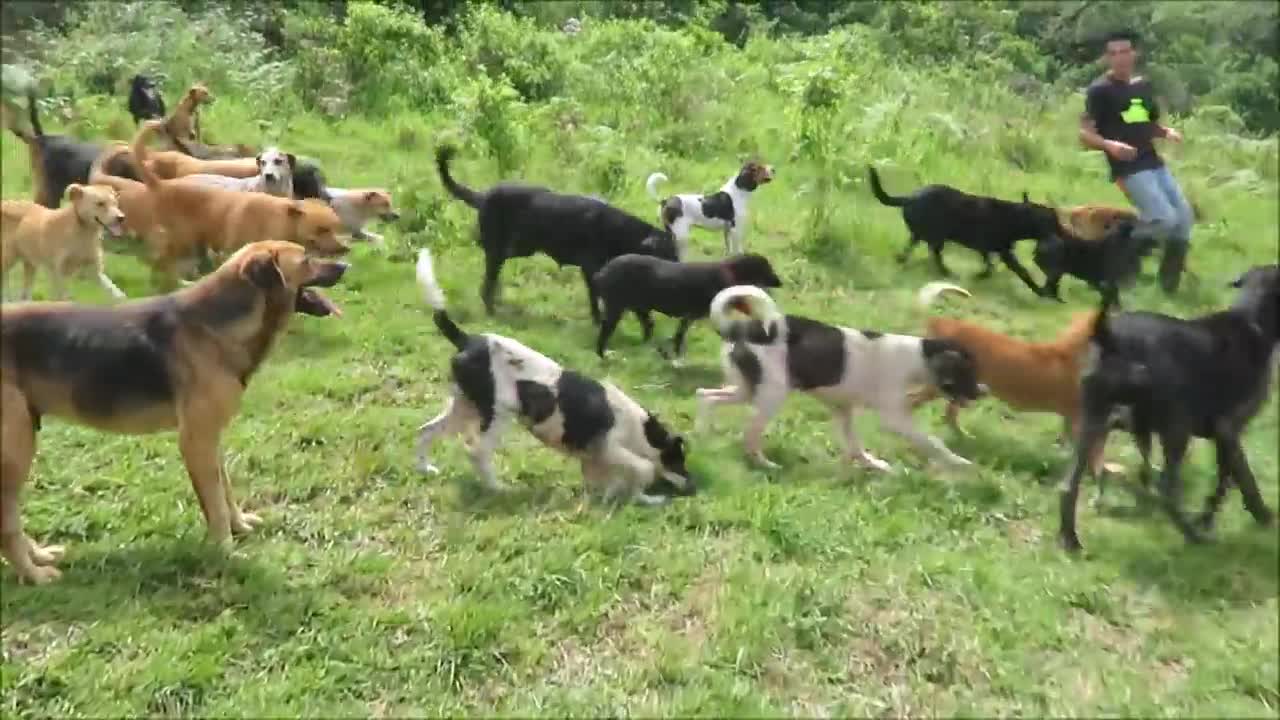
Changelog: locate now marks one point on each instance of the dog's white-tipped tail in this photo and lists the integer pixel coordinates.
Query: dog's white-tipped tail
(933, 290)
(431, 290)
(651, 185)
(751, 301)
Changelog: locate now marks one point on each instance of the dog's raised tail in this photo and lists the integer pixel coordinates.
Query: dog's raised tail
(932, 291)
(140, 152)
(764, 323)
(444, 154)
(434, 295)
(877, 190)
(651, 185)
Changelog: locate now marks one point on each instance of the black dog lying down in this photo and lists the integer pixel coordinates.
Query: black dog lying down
(1106, 265)
(1180, 379)
(936, 214)
(518, 220)
(145, 102)
(59, 161)
(644, 284)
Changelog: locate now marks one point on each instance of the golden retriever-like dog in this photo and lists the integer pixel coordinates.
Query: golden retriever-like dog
(172, 362)
(62, 241)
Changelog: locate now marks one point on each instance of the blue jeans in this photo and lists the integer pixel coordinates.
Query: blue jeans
(1163, 213)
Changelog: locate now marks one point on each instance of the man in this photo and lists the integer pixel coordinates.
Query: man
(1121, 119)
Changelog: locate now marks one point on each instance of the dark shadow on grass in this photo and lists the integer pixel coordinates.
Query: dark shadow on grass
(182, 578)
(1240, 566)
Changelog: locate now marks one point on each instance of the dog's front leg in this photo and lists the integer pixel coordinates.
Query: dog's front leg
(1237, 469)
(1174, 443)
(853, 444)
(767, 405)
(1015, 265)
(1094, 426)
(482, 453)
(710, 397)
(105, 282)
(935, 250)
(677, 341)
(28, 280)
(447, 422)
(898, 421)
(31, 562)
(199, 450)
(593, 300)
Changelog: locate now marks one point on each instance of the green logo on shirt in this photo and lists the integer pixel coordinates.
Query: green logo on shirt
(1137, 112)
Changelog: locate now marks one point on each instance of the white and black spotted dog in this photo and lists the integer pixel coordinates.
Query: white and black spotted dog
(621, 446)
(768, 355)
(725, 209)
(275, 175)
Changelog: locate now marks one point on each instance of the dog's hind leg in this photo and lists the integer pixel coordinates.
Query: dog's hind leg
(853, 444)
(767, 405)
(906, 251)
(31, 562)
(1091, 430)
(1174, 443)
(987, 267)
(489, 289)
(612, 315)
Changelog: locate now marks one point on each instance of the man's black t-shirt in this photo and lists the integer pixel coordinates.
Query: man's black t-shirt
(1127, 112)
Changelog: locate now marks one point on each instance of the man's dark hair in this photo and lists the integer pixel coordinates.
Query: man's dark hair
(1119, 35)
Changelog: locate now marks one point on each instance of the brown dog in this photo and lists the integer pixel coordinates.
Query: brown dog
(184, 123)
(62, 241)
(179, 220)
(174, 362)
(1094, 222)
(1028, 376)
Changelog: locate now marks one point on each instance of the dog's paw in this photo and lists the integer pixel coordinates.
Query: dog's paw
(425, 467)
(651, 500)
(41, 575)
(874, 462)
(760, 460)
(1070, 543)
(245, 523)
(47, 555)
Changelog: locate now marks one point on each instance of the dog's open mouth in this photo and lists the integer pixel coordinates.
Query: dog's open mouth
(312, 302)
(391, 215)
(115, 228)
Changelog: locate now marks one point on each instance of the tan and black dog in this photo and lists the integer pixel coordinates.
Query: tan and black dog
(61, 241)
(172, 362)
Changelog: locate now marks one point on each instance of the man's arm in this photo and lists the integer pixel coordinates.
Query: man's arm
(1089, 136)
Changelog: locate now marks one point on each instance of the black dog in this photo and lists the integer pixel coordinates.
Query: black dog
(644, 284)
(1180, 379)
(1106, 265)
(517, 220)
(309, 181)
(59, 161)
(145, 102)
(937, 213)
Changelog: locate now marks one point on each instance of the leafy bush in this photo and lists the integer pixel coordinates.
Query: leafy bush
(503, 44)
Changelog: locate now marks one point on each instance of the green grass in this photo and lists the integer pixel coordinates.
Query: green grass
(820, 589)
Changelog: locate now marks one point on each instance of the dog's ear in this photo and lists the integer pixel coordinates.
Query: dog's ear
(257, 160)
(296, 211)
(74, 191)
(371, 195)
(293, 161)
(261, 270)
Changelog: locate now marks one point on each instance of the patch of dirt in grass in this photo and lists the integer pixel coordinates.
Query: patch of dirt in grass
(35, 645)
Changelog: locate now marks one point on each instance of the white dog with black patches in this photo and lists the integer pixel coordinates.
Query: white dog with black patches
(621, 446)
(767, 355)
(275, 175)
(724, 210)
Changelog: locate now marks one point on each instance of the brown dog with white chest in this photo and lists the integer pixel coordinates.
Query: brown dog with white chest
(1027, 376)
(174, 362)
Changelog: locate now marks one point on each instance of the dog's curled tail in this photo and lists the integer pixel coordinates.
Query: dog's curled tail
(765, 324)
(97, 171)
(444, 154)
(931, 291)
(651, 185)
(877, 190)
(434, 296)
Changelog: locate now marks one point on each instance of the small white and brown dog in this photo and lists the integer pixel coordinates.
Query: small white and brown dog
(62, 241)
(357, 207)
(275, 175)
(621, 446)
(725, 209)
(767, 355)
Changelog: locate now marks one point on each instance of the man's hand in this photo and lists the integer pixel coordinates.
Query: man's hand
(1119, 150)
(1171, 134)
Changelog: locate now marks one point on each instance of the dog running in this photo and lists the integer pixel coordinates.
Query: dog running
(769, 355)
(936, 214)
(1182, 379)
(174, 362)
(621, 446)
(61, 241)
(725, 209)
(275, 175)
(518, 220)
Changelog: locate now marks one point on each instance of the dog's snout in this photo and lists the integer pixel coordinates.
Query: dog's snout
(330, 274)
(983, 389)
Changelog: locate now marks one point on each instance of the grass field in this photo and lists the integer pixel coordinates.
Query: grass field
(819, 589)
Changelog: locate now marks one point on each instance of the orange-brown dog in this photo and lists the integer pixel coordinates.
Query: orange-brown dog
(175, 362)
(1028, 376)
(178, 220)
(1094, 222)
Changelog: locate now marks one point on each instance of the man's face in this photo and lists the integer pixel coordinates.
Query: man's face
(1120, 57)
